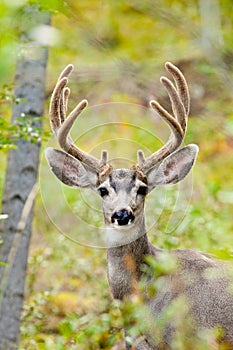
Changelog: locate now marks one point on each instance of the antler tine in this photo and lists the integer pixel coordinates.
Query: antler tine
(181, 84)
(179, 98)
(55, 105)
(104, 157)
(63, 136)
(176, 103)
(64, 104)
(61, 125)
(141, 158)
(66, 71)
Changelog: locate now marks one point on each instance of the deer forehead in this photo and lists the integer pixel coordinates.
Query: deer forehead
(122, 179)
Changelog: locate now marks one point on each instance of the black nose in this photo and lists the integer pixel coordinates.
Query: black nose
(123, 217)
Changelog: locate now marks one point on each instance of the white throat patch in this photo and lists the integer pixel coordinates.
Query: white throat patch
(117, 235)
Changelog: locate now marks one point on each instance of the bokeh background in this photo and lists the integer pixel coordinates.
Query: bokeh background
(119, 49)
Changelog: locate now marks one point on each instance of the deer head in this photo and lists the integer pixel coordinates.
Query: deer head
(123, 191)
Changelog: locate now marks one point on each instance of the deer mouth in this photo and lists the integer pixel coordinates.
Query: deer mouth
(122, 217)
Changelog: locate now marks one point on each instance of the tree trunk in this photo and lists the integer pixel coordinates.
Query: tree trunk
(20, 182)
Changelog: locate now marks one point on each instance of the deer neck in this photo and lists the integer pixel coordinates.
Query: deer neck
(126, 258)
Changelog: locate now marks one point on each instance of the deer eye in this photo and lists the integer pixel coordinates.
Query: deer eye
(142, 190)
(103, 191)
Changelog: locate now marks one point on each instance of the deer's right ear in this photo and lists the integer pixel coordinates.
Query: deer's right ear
(173, 168)
(69, 170)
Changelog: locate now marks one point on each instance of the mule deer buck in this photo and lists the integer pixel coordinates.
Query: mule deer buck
(198, 280)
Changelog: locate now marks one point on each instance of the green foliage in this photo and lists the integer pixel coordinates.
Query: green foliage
(22, 128)
(25, 128)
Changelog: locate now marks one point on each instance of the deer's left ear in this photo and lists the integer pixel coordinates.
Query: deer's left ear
(69, 170)
(173, 168)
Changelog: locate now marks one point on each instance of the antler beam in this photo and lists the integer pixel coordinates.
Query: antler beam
(61, 125)
(180, 102)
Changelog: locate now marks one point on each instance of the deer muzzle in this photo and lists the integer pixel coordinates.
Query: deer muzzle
(123, 217)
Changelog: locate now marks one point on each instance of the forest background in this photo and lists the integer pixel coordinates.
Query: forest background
(119, 49)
